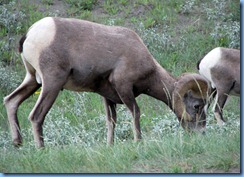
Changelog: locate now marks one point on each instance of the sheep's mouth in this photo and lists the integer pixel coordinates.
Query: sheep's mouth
(197, 124)
(194, 124)
(192, 128)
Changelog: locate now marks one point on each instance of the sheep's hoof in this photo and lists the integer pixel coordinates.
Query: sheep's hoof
(220, 122)
(17, 143)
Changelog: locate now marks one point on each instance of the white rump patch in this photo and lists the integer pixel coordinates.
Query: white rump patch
(39, 37)
(208, 62)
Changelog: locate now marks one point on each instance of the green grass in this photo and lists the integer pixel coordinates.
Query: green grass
(168, 154)
(177, 33)
(75, 141)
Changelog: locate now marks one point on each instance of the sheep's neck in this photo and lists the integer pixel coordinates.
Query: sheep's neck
(162, 86)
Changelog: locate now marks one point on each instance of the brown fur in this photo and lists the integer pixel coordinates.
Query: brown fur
(85, 56)
(21, 43)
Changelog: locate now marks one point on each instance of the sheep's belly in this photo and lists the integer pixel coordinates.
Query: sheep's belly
(75, 87)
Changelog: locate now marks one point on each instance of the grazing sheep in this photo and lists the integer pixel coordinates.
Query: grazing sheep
(221, 67)
(62, 53)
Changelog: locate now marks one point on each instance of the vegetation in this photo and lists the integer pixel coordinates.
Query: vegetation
(178, 33)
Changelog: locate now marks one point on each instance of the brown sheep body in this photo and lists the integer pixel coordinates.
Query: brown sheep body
(78, 55)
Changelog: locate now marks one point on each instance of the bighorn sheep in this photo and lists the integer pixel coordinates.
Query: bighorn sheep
(62, 53)
(221, 67)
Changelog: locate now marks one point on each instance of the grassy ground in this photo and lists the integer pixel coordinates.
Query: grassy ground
(170, 154)
(178, 33)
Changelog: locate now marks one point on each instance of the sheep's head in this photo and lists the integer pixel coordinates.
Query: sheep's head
(190, 101)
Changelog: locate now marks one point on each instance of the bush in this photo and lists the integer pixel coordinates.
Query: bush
(11, 25)
(9, 79)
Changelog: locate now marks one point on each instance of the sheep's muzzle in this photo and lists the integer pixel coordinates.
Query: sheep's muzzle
(189, 100)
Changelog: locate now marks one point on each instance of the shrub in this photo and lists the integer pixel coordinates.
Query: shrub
(10, 24)
(9, 79)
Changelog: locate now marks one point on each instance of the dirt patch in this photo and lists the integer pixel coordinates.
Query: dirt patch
(231, 170)
(57, 8)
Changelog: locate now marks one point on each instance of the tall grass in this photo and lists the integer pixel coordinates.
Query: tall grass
(177, 33)
(178, 153)
(76, 143)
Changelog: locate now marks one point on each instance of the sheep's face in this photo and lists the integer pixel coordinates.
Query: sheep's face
(189, 101)
(195, 107)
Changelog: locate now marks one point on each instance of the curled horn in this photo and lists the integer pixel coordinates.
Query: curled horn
(188, 82)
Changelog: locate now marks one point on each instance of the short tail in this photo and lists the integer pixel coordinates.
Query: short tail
(198, 63)
(21, 42)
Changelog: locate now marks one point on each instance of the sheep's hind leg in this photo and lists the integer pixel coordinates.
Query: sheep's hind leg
(48, 95)
(218, 109)
(110, 108)
(12, 102)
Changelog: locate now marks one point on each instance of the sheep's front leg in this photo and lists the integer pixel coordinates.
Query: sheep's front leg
(110, 108)
(135, 111)
(12, 102)
(127, 96)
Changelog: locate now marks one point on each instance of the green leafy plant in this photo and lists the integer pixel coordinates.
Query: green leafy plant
(83, 4)
(11, 25)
